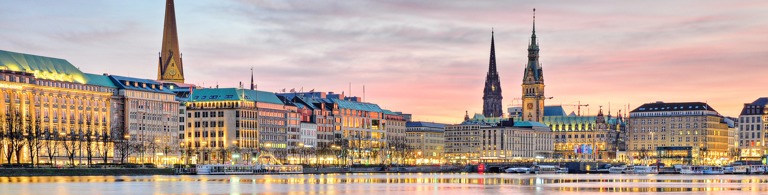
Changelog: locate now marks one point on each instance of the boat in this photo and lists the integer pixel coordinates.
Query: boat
(545, 169)
(562, 170)
(691, 170)
(646, 170)
(224, 169)
(617, 170)
(622, 170)
(712, 170)
(740, 169)
(755, 169)
(518, 170)
(728, 169)
(278, 169)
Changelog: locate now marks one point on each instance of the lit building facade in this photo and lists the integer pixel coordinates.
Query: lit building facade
(519, 141)
(753, 135)
(396, 136)
(51, 105)
(426, 141)
(226, 123)
(693, 125)
(462, 143)
(587, 137)
(149, 120)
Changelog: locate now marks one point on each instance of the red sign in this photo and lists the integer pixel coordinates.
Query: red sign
(481, 168)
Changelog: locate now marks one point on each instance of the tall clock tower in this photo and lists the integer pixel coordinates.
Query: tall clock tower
(169, 66)
(533, 82)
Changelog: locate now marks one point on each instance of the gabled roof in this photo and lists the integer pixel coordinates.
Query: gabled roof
(233, 94)
(139, 84)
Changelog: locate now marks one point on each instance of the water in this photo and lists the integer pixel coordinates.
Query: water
(442, 184)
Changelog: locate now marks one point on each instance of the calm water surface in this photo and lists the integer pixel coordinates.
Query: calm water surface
(442, 184)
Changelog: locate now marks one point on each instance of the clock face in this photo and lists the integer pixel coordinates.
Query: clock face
(530, 105)
(172, 72)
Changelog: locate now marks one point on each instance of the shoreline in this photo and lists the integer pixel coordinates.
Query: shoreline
(16, 172)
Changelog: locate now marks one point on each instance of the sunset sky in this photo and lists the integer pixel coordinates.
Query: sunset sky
(428, 58)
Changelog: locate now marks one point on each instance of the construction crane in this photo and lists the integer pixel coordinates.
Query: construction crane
(578, 106)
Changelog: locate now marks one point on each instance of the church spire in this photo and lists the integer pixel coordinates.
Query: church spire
(170, 67)
(492, 92)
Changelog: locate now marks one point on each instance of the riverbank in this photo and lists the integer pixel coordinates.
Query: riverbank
(83, 172)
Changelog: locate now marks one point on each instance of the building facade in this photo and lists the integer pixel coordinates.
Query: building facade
(396, 126)
(426, 142)
(587, 137)
(149, 120)
(462, 143)
(519, 141)
(693, 125)
(227, 121)
(752, 132)
(52, 112)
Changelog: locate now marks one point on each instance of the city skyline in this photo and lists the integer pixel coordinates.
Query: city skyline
(593, 54)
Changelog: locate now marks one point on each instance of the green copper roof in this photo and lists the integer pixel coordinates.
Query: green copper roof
(357, 105)
(233, 94)
(99, 80)
(41, 67)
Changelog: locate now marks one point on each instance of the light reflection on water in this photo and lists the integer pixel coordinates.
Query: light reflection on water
(443, 184)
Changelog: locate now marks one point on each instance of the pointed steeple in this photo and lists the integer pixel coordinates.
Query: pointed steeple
(170, 67)
(251, 77)
(533, 32)
(533, 71)
(492, 92)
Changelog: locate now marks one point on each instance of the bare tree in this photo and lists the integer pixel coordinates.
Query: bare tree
(71, 143)
(51, 146)
(15, 135)
(34, 143)
(89, 141)
(106, 141)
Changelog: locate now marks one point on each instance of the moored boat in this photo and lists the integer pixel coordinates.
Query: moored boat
(646, 170)
(712, 170)
(224, 169)
(545, 169)
(691, 170)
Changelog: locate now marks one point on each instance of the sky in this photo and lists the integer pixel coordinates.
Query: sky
(427, 58)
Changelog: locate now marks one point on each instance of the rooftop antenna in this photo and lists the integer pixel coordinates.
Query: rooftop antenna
(363, 93)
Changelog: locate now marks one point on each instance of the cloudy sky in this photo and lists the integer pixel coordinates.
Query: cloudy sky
(428, 58)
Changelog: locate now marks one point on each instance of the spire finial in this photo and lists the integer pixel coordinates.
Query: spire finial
(251, 77)
(534, 21)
